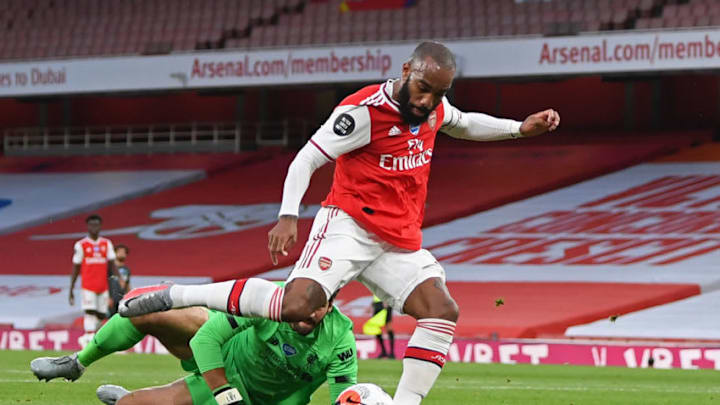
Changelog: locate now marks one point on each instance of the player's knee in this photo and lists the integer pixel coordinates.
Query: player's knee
(302, 297)
(451, 311)
(445, 309)
(144, 323)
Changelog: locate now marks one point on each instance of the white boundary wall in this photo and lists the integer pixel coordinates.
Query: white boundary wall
(586, 54)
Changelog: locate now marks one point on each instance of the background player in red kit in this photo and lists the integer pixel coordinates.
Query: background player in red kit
(92, 257)
(382, 140)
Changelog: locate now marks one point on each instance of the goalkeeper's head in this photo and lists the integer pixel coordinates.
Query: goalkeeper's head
(307, 326)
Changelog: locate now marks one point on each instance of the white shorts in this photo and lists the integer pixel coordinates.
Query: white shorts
(340, 250)
(92, 301)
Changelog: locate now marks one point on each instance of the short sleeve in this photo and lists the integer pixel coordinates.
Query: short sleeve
(347, 129)
(343, 367)
(77, 253)
(207, 343)
(110, 250)
(344, 359)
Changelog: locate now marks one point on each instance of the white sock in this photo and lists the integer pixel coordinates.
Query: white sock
(90, 323)
(251, 297)
(423, 360)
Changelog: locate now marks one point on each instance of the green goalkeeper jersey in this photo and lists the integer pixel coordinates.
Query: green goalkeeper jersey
(273, 364)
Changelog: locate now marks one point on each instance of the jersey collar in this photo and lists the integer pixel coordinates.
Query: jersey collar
(387, 91)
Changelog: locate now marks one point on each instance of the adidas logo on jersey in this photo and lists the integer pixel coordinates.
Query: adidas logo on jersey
(394, 131)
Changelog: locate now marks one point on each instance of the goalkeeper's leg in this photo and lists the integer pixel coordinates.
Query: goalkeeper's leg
(187, 391)
(175, 393)
(174, 329)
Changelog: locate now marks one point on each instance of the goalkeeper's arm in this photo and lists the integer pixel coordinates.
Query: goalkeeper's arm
(342, 370)
(206, 346)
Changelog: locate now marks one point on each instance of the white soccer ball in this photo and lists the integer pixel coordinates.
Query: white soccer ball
(364, 394)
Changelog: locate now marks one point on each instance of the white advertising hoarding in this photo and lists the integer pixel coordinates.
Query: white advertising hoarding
(586, 54)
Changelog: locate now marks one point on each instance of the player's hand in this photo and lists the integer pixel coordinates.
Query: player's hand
(71, 298)
(282, 237)
(539, 123)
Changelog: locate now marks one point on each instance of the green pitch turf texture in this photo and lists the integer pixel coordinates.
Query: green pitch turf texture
(459, 384)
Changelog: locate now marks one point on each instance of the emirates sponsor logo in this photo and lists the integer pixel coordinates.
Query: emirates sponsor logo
(439, 359)
(407, 162)
(324, 263)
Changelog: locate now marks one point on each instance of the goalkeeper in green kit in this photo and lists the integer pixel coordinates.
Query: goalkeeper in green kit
(233, 360)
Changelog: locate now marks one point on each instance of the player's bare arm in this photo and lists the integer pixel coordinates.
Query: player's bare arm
(282, 237)
(311, 157)
(215, 378)
(73, 278)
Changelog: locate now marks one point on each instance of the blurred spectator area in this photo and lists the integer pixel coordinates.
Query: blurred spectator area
(75, 28)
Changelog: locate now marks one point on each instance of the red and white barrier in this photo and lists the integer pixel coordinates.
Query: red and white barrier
(600, 354)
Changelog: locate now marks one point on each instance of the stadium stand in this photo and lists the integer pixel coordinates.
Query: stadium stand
(77, 28)
(696, 13)
(240, 208)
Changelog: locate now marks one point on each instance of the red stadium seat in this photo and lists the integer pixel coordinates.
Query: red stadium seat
(688, 21)
(683, 11)
(703, 21)
(670, 10)
(642, 23)
(671, 22)
(698, 9)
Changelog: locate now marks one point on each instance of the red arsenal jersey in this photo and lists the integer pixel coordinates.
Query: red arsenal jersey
(93, 256)
(383, 164)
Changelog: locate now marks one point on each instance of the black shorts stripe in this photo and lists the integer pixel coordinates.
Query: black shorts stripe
(232, 321)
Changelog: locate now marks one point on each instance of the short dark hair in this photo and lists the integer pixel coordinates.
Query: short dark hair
(437, 51)
(127, 249)
(93, 217)
(332, 297)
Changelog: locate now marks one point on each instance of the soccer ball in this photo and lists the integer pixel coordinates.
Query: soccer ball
(364, 394)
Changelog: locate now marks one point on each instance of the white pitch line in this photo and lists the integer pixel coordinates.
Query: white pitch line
(595, 388)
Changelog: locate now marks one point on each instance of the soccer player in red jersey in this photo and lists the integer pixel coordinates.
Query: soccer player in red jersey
(382, 140)
(91, 258)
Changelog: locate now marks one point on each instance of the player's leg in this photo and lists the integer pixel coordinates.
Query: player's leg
(390, 332)
(89, 305)
(413, 283)
(383, 353)
(335, 252)
(191, 390)
(176, 393)
(174, 329)
(92, 305)
(436, 312)
(374, 326)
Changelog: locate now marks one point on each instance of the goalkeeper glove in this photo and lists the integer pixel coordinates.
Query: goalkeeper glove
(227, 395)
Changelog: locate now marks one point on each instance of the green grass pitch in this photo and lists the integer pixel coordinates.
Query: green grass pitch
(459, 384)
